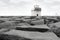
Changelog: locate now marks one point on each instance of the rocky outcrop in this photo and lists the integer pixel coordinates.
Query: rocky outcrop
(12, 37)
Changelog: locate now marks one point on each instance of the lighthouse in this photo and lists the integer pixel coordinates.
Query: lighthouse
(36, 11)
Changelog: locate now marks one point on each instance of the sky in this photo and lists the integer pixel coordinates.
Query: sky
(24, 7)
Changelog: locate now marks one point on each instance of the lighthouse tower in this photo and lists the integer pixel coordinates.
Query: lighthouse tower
(36, 11)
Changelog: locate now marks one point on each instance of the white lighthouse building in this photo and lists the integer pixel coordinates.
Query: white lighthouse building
(36, 11)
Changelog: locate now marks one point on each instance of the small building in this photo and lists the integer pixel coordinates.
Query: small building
(36, 11)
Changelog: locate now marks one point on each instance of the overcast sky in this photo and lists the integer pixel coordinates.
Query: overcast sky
(24, 7)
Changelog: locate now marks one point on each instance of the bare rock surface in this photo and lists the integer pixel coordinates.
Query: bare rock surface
(34, 35)
(8, 26)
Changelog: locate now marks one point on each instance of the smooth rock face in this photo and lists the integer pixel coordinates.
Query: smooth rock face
(33, 35)
(12, 37)
(30, 27)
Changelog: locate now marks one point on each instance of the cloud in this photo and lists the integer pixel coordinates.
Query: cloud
(16, 2)
(50, 7)
(25, 6)
(50, 3)
(21, 7)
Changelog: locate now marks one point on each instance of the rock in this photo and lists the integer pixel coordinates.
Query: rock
(12, 37)
(38, 22)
